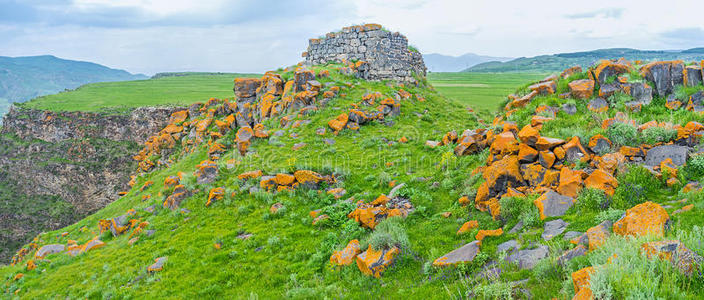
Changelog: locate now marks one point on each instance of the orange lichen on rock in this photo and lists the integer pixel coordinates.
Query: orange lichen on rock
(346, 256)
(467, 226)
(484, 233)
(582, 89)
(570, 182)
(178, 117)
(250, 175)
(284, 179)
(307, 176)
(599, 179)
(215, 194)
(642, 219)
(675, 252)
(338, 123)
(375, 262)
(580, 280)
(464, 200)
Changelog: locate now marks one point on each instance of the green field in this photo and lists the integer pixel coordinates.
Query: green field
(174, 90)
(483, 92)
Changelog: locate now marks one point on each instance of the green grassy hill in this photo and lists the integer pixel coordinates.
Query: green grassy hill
(183, 90)
(561, 61)
(252, 242)
(24, 78)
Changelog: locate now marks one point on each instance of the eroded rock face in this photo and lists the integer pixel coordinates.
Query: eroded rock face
(76, 161)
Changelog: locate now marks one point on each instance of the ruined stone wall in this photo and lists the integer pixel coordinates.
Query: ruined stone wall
(386, 53)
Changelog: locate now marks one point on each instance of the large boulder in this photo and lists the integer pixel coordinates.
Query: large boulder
(49, 249)
(608, 69)
(657, 155)
(642, 219)
(641, 92)
(552, 204)
(462, 254)
(243, 137)
(665, 75)
(375, 262)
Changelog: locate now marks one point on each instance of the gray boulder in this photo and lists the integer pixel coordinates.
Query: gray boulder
(462, 254)
(598, 104)
(49, 249)
(527, 259)
(568, 255)
(553, 228)
(694, 75)
(656, 155)
(554, 204)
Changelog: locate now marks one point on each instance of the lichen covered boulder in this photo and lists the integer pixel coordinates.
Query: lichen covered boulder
(674, 251)
(346, 256)
(375, 262)
(642, 219)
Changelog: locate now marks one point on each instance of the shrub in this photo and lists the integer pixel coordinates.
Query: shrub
(694, 169)
(591, 200)
(520, 208)
(389, 233)
(658, 135)
(611, 214)
(634, 186)
(622, 134)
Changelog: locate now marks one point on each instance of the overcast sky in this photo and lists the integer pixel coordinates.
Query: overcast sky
(254, 36)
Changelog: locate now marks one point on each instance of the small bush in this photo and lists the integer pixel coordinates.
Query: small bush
(520, 208)
(694, 169)
(634, 187)
(611, 214)
(658, 135)
(389, 233)
(622, 134)
(591, 200)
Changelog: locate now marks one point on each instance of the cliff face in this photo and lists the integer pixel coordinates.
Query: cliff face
(57, 167)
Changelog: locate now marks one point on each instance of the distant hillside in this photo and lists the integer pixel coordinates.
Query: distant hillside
(446, 63)
(558, 62)
(24, 78)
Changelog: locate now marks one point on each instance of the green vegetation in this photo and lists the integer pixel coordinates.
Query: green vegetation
(482, 92)
(237, 247)
(170, 90)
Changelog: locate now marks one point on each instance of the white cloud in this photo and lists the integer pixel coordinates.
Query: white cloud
(255, 36)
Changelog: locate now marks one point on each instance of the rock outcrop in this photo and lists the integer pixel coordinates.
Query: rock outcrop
(57, 167)
(378, 54)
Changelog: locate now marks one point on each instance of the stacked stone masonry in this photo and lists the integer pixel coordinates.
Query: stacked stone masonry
(386, 53)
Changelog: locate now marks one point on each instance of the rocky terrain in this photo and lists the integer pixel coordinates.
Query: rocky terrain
(318, 180)
(67, 165)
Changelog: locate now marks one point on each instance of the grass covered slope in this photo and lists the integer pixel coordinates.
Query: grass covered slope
(183, 90)
(265, 237)
(286, 255)
(482, 92)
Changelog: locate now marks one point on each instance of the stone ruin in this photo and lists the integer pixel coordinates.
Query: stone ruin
(379, 53)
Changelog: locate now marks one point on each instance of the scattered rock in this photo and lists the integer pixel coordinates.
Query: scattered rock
(642, 219)
(527, 259)
(375, 262)
(463, 254)
(158, 264)
(508, 246)
(552, 204)
(658, 154)
(346, 256)
(553, 228)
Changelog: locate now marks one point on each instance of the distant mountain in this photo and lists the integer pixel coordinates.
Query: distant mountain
(558, 62)
(445, 63)
(24, 78)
